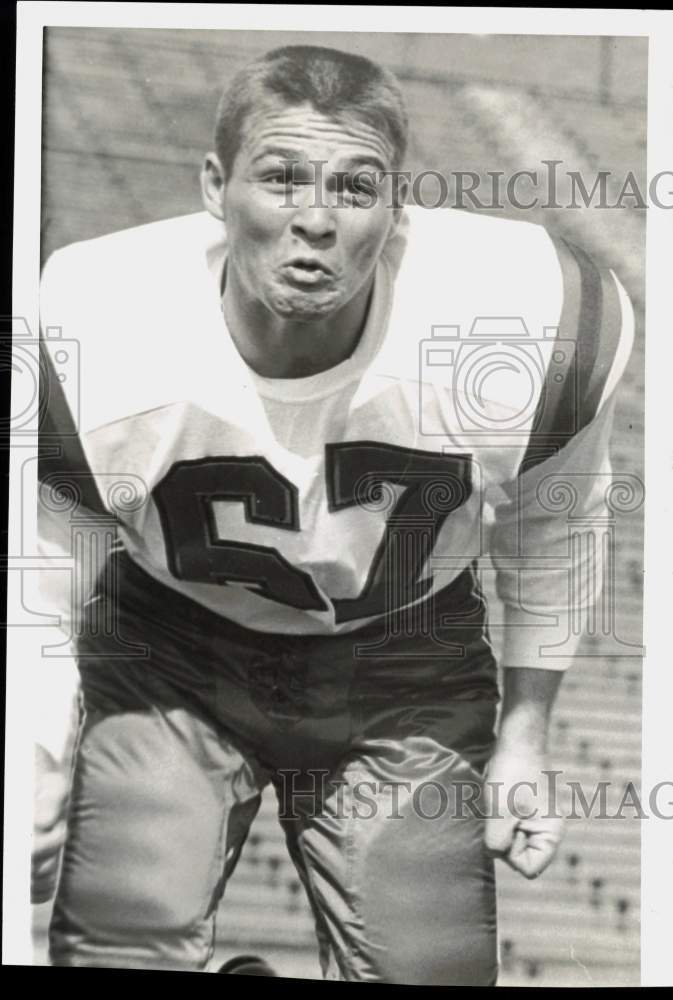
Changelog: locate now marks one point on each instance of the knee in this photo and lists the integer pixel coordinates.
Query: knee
(453, 962)
(128, 914)
(98, 925)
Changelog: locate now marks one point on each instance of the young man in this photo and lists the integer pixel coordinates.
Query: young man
(291, 595)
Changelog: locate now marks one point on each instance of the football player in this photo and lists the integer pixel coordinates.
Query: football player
(307, 412)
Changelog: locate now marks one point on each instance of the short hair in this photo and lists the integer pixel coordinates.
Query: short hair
(337, 84)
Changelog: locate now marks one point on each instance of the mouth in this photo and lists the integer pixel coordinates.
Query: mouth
(307, 270)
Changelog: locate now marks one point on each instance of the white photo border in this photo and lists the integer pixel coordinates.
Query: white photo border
(657, 26)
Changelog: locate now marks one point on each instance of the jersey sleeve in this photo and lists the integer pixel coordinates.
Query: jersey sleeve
(546, 543)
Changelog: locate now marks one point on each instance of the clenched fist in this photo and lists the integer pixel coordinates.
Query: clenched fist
(523, 826)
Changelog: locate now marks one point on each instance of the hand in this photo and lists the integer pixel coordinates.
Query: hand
(51, 802)
(522, 827)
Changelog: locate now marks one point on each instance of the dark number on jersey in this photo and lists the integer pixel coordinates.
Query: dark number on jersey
(358, 473)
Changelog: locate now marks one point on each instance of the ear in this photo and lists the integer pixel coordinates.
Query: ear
(213, 186)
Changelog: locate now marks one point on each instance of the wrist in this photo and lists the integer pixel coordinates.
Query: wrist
(523, 729)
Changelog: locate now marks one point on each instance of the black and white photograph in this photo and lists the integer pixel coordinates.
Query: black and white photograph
(340, 544)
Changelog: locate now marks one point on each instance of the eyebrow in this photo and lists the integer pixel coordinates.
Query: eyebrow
(373, 161)
(295, 156)
(284, 154)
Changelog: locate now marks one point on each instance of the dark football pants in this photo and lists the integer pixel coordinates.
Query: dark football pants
(371, 740)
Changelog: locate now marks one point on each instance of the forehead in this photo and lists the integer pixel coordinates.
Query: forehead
(309, 134)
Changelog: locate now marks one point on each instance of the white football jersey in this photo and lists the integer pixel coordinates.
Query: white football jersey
(483, 379)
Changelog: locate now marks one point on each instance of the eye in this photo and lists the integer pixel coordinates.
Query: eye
(278, 178)
(363, 183)
(285, 177)
(357, 186)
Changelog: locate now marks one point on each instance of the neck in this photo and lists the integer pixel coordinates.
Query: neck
(276, 347)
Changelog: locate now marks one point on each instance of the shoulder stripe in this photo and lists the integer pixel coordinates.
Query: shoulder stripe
(625, 343)
(598, 337)
(554, 418)
(591, 323)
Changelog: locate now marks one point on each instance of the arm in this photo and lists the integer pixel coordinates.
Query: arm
(55, 716)
(542, 602)
(549, 567)
(54, 744)
(528, 697)
(521, 828)
(55, 680)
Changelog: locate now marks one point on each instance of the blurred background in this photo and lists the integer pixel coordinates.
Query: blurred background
(128, 115)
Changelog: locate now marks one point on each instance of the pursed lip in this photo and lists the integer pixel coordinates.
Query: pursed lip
(309, 264)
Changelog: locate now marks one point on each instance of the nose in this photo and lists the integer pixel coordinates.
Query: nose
(314, 222)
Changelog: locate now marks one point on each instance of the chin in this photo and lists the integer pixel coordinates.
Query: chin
(304, 307)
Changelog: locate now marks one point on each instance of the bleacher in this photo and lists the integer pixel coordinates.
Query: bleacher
(128, 117)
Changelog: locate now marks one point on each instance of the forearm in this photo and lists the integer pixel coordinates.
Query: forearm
(528, 698)
(532, 677)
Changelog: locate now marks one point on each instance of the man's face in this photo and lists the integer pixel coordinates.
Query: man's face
(303, 236)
